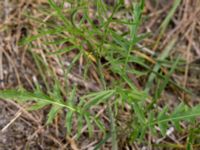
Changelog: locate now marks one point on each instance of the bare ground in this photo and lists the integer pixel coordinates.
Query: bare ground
(21, 129)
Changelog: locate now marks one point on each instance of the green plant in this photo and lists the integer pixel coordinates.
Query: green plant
(96, 41)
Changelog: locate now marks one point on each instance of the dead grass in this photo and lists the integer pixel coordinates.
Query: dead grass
(17, 69)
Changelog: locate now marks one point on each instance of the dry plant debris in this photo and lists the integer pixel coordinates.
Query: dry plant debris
(173, 29)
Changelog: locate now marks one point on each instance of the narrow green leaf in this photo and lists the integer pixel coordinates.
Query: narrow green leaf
(169, 16)
(69, 115)
(98, 97)
(151, 118)
(56, 91)
(103, 141)
(22, 96)
(52, 113)
(135, 133)
(80, 124)
(41, 33)
(167, 77)
(156, 68)
(180, 109)
(68, 121)
(59, 12)
(89, 125)
(64, 50)
(139, 113)
(143, 130)
(163, 125)
(38, 105)
(99, 124)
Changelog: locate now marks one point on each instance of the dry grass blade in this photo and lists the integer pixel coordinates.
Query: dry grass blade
(92, 77)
